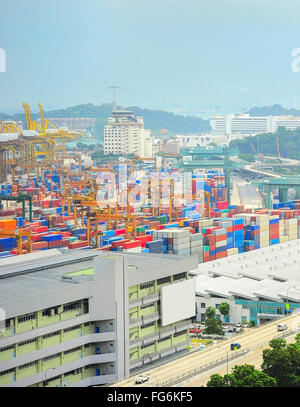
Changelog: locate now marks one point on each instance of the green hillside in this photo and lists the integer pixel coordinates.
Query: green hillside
(289, 143)
(153, 119)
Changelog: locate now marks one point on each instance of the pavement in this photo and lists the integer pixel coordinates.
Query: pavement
(254, 340)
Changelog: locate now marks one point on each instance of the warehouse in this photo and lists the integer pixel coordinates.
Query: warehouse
(82, 318)
(258, 286)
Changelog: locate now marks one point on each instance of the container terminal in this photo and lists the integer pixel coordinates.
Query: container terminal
(94, 258)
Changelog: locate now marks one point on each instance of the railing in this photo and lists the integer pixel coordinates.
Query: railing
(177, 379)
(150, 316)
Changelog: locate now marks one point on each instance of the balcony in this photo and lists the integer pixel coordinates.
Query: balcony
(135, 302)
(150, 318)
(181, 345)
(135, 342)
(166, 332)
(150, 338)
(135, 322)
(136, 363)
(147, 299)
(181, 326)
(95, 380)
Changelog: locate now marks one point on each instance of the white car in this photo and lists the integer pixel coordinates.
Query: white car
(141, 379)
(239, 325)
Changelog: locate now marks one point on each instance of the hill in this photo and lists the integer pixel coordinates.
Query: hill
(289, 143)
(153, 119)
(275, 110)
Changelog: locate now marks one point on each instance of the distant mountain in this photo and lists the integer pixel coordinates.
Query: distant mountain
(153, 119)
(275, 110)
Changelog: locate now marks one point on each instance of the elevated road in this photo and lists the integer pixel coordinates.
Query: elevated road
(252, 341)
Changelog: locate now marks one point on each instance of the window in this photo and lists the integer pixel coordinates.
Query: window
(7, 372)
(9, 322)
(26, 317)
(72, 350)
(178, 276)
(51, 334)
(146, 285)
(11, 347)
(73, 372)
(51, 357)
(51, 380)
(147, 325)
(72, 328)
(163, 280)
(164, 339)
(147, 306)
(50, 311)
(27, 342)
(28, 365)
(180, 333)
(72, 306)
(147, 345)
(203, 305)
(217, 306)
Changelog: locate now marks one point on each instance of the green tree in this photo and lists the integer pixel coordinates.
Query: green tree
(282, 362)
(242, 376)
(224, 309)
(252, 323)
(212, 324)
(210, 312)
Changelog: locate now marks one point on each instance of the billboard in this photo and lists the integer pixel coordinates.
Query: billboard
(177, 301)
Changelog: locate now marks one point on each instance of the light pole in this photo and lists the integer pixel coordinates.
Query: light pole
(287, 294)
(226, 359)
(47, 370)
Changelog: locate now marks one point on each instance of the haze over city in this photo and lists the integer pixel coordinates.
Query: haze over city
(195, 57)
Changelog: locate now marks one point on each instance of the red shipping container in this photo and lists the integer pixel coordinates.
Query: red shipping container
(77, 245)
(39, 245)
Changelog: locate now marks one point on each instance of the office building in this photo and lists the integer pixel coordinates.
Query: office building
(125, 134)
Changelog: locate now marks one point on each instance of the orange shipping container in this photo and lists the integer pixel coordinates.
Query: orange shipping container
(8, 225)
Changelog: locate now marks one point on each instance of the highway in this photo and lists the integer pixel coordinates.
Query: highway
(253, 339)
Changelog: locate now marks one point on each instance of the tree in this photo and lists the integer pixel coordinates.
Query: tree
(224, 309)
(282, 362)
(252, 323)
(212, 324)
(242, 376)
(210, 312)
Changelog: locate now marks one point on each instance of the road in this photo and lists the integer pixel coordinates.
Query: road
(254, 339)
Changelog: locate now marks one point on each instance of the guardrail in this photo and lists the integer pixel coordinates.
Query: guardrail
(202, 369)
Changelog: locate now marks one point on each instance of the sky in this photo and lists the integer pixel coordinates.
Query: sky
(187, 56)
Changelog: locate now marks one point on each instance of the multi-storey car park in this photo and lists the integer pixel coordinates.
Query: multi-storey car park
(84, 318)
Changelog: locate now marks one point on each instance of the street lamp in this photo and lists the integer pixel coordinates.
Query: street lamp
(287, 294)
(226, 359)
(47, 370)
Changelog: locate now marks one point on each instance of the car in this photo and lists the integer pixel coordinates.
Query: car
(239, 325)
(141, 379)
(235, 346)
(245, 325)
(195, 331)
(238, 330)
(281, 327)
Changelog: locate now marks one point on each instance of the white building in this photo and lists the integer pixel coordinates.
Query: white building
(247, 125)
(200, 140)
(125, 134)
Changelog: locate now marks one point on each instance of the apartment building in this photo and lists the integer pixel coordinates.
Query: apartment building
(125, 134)
(82, 318)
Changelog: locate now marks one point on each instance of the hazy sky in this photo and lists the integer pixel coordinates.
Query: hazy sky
(179, 55)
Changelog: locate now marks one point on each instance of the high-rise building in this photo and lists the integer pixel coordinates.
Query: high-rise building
(125, 134)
